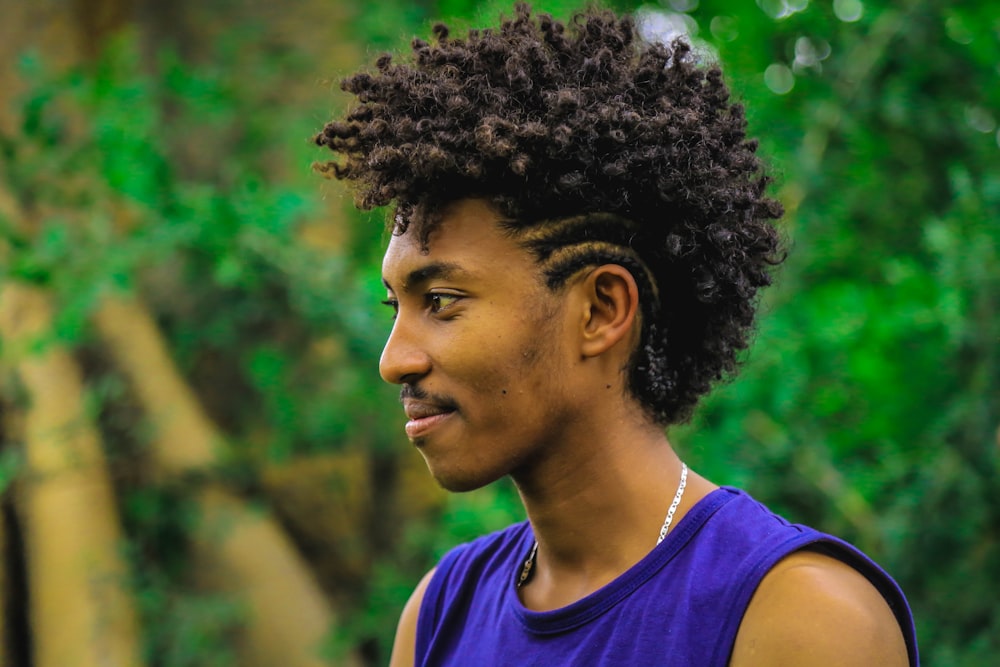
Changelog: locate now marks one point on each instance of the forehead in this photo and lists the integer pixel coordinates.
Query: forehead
(467, 240)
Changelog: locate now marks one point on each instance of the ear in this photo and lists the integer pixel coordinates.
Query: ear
(611, 309)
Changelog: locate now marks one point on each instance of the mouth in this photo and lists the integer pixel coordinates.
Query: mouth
(424, 416)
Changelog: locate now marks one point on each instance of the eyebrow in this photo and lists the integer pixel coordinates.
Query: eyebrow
(432, 271)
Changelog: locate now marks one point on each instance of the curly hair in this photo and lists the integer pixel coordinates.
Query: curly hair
(597, 147)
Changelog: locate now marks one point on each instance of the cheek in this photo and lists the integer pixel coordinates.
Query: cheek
(534, 372)
(503, 371)
(505, 356)
(478, 358)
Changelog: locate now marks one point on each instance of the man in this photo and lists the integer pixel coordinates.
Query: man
(580, 233)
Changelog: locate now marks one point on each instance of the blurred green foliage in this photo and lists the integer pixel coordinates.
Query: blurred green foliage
(119, 188)
(870, 403)
(868, 407)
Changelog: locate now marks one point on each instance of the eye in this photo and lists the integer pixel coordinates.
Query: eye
(394, 304)
(441, 302)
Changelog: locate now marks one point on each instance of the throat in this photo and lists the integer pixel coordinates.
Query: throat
(556, 586)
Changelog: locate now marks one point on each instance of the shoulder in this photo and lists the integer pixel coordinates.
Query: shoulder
(468, 562)
(811, 609)
(404, 646)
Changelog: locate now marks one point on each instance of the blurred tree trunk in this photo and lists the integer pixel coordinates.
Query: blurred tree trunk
(240, 549)
(244, 550)
(43, 26)
(96, 20)
(80, 611)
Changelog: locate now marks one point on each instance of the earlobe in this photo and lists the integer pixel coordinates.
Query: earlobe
(612, 308)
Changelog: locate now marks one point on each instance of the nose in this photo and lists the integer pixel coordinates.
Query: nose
(403, 359)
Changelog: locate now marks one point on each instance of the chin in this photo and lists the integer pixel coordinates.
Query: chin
(459, 487)
(460, 481)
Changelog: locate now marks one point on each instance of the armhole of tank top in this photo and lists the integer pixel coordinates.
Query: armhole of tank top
(739, 601)
(877, 577)
(838, 550)
(429, 615)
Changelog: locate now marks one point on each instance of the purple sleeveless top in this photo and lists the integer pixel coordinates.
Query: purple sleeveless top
(680, 605)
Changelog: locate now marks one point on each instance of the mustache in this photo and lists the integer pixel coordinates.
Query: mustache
(415, 392)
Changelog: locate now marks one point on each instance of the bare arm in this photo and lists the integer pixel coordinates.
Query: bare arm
(813, 610)
(404, 647)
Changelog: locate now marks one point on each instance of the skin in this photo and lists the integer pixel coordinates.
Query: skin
(501, 376)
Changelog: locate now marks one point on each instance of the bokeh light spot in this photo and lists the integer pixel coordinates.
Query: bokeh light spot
(957, 30)
(776, 9)
(724, 28)
(659, 26)
(848, 11)
(684, 5)
(779, 79)
(980, 119)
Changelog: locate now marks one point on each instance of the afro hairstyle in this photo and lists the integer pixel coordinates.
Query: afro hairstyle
(595, 146)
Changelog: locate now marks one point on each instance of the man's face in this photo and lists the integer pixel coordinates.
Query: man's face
(481, 348)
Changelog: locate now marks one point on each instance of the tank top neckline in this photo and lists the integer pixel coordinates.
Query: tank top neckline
(600, 601)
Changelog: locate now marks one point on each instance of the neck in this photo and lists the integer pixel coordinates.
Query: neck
(596, 507)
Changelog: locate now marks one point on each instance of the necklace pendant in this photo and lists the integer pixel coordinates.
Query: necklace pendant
(529, 564)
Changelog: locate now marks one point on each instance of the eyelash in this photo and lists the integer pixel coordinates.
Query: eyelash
(433, 299)
(394, 304)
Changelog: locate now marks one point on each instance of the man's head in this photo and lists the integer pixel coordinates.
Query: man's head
(498, 371)
(593, 148)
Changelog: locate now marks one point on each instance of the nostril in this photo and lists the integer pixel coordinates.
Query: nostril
(401, 363)
(410, 379)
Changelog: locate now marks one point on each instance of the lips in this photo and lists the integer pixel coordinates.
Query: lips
(424, 416)
(417, 409)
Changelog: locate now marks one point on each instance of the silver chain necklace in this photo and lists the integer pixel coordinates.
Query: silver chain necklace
(529, 563)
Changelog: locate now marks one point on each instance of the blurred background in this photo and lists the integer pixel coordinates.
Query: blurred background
(198, 462)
